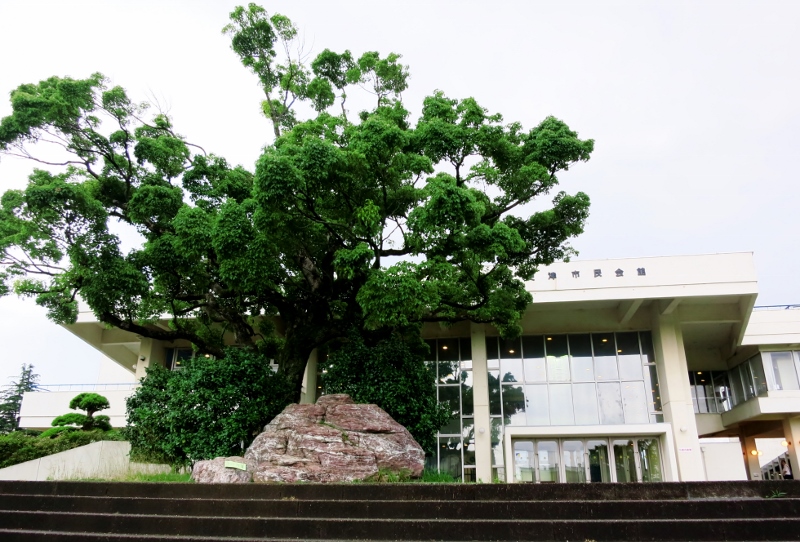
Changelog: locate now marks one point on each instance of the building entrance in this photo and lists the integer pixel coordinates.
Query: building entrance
(577, 460)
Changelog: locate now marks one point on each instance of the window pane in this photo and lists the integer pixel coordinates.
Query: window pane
(547, 455)
(513, 405)
(494, 393)
(448, 349)
(497, 442)
(650, 460)
(535, 370)
(448, 395)
(610, 403)
(467, 403)
(557, 358)
(625, 461)
(783, 370)
(722, 390)
(647, 347)
(759, 378)
(599, 469)
(523, 461)
(736, 386)
(533, 346)
(491, 348)
(561, 405)
(468, 438)
(580, 350)
(630, 361)
(747, 381)
(448, 371)
(584, 397)
(634, 402)
(574, 461)
(511, 369)
(450, 456)
(536, 405)
(466, 348)
(509, 348)
(605, 357)
(651, 383)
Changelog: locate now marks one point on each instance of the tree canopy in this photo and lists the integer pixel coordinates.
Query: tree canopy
(11, 398)
(373, 223)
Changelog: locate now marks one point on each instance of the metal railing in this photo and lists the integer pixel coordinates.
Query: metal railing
(775, 307)
(124, 386)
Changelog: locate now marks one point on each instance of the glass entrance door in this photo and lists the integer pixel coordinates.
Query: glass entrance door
(547, 464)
(599, 469)
(574, 461)
(577, 460)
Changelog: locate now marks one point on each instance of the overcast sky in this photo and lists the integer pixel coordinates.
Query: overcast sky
(694, 107)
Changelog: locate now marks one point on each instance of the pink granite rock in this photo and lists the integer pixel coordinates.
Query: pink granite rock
(214, 471)
(333, 441)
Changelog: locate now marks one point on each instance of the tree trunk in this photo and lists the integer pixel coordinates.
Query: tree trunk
(292, 360)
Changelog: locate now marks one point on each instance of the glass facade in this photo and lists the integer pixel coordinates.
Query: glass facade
(455, 453)
(576, 379)
(719, 391)
(593, 460)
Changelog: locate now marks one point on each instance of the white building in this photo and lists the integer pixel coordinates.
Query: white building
(625, 370)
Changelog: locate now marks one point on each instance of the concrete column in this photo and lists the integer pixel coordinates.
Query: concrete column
(752, 464)
(480, 397)
(151, 352)
(791, 432)
(309, 393)
(676, 398)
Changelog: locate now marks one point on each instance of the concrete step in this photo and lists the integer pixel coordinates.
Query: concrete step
(405, 529)
(286, 508)
(431, 492)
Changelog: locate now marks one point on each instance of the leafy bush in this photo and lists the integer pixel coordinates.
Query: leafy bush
(210, 408)
(391, 374)
(21, 446)
(89, 402)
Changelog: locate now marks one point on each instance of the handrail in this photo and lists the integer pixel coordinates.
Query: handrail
(87, 387)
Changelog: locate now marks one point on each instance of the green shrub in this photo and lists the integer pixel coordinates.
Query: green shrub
(91, 403)
(20, 446)
(391, 374)
(56, 431)
(210, 408)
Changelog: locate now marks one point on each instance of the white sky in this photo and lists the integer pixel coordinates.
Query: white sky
(693, 105)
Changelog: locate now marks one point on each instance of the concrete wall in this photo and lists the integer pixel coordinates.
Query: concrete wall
(722, 460)
(104, 459)
(777, 326)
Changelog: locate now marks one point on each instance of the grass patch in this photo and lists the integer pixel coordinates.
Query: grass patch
(159, 477)
(430, 476)
(183, 477)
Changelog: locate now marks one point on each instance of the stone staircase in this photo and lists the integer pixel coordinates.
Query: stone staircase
(115, 511)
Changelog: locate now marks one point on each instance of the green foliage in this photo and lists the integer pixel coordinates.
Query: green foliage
(210, 408)
(60, 429)
(11, 398)
(433, 476)
(89, 402)
(20, 446)
(392, 375)
(373, 223)
(162, 477)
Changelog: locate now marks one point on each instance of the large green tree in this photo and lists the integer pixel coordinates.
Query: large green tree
(369, 223)
(11, 398)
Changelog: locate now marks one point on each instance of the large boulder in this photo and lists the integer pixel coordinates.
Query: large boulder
(334, 440)
(214, 471)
